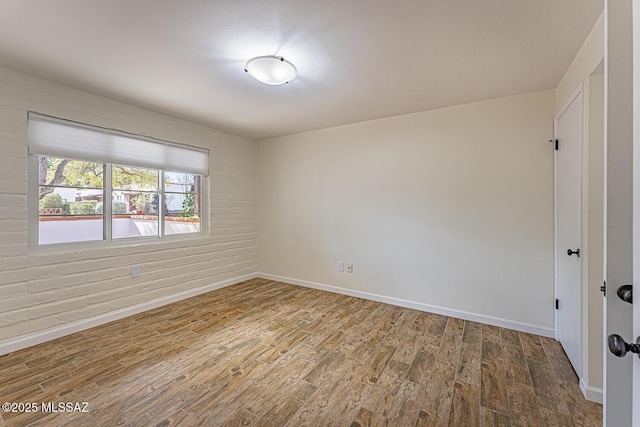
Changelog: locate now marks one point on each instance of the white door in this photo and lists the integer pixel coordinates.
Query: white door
(635, 337)
(568, 228)
(622, 94)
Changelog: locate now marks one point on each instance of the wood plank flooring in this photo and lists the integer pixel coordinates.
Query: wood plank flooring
(272, 354)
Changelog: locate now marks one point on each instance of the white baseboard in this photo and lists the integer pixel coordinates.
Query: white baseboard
(71, 328)
(495, 321)
(68, 329)
(591, 393)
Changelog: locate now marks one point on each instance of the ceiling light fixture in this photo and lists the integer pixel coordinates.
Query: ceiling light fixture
(271, 70)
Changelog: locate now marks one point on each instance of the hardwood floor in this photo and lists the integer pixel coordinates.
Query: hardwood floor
(272, 354)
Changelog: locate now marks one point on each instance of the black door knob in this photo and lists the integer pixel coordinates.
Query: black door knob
(576, 252)
(625, 293)
(620, 348)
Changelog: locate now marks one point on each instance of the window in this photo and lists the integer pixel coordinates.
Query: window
(69, 190)
(153, 189)
(136, 193)
(182, 203)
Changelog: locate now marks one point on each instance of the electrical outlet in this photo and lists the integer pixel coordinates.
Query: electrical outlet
(349, 268)
(135, 270)
(340, 266)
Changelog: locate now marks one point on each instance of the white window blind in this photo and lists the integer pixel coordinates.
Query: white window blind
(60, 138)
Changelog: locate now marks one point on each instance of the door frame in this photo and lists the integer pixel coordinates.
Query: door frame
(635, 7)
(578, 95)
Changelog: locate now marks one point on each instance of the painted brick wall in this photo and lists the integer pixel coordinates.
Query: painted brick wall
(41, 291)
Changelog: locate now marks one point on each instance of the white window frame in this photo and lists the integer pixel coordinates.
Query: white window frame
(108, 240)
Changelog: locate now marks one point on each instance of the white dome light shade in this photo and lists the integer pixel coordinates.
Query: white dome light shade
(271, 70)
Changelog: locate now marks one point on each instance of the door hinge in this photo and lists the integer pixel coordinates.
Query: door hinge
(555, 143)
(603, 288)
(557, 303)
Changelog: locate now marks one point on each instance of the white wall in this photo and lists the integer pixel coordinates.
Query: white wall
(40, 292)
(450, 208)
(89, 229)
(586, 60)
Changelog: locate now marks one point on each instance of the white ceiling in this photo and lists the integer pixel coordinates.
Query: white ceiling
(357, 59)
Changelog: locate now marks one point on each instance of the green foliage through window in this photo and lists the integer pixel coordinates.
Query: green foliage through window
(117, 208)
(188, 205)
(51, 201)
(82, 208)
